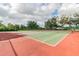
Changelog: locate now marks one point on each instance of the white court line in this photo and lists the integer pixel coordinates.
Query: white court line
(53, 45)
(61, 39)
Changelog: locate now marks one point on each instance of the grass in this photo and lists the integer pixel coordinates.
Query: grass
(50, 37)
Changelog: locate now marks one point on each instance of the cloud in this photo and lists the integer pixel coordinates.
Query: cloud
(40, 9)
(69, 9)
(46, 10)
(4, 9)
(23, 12)
(20, 13)
(3, 12)
(33, 11)
(26, 8)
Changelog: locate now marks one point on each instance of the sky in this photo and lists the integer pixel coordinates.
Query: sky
(20, 13)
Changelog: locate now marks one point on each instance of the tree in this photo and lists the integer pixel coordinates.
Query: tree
(32, 25)
(48, 25)
(54, 22)
(2, 27)
(51, 23)
(76, 19)
(17, 27)
(72, 21)
(11, 27)
(22, 27)
(64, 20)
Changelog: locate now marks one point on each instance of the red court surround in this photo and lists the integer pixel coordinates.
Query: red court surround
(24, 46)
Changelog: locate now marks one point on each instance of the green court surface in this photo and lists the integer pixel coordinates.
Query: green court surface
(49, 37)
